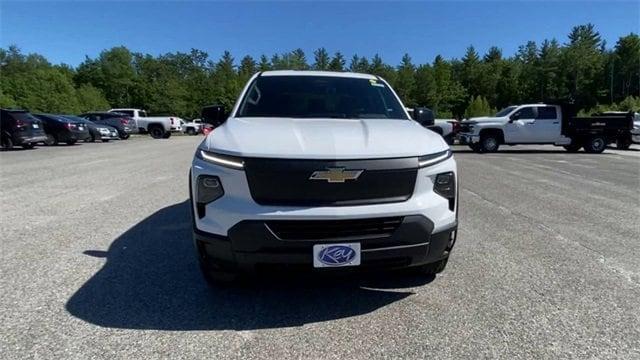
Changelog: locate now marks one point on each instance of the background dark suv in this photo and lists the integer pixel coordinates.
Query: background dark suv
(19, 127)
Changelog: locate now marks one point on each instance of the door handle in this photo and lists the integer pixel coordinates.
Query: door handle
(556, 122)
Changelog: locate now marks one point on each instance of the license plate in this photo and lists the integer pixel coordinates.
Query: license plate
(336, 255)
(36, 126)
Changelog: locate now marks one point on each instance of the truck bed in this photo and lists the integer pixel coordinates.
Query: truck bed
(607, 125)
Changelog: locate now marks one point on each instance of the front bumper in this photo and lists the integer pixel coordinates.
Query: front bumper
(466, 139)
(251, 246)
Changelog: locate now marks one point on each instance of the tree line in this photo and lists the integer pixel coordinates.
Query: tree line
(582, 68)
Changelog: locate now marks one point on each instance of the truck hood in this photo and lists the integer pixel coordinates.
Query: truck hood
(323, 138)
(483, 119)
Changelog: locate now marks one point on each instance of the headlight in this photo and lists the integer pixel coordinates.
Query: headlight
(432, 159)
(222, 160)
(445, 186)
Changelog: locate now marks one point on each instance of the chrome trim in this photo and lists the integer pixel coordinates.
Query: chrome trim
(395, 247)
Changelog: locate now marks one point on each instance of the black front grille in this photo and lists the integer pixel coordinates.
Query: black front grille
(466, 128)
(334, 229)
(288, 181)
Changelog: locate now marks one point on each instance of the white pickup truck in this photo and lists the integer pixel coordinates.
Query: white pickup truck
(159, 127)
(544, 124)
(193, 127)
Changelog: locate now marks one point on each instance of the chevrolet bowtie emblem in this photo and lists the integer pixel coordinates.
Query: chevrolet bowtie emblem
(335, 175)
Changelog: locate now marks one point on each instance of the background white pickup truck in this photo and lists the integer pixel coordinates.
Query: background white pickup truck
(544, 124)
(192, 127)
(447, 128)
(158, 127)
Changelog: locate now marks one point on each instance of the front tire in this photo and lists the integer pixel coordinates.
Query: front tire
(28, 146)
(166, 135)
(91, 138)
(71, 142)
(595, 145)
(124, 136)
(105, 140)
(489, 143)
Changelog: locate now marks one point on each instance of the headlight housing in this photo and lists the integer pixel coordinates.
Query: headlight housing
(228, 161)
(432, 159)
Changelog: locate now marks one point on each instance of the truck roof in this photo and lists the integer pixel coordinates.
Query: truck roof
(317, 73)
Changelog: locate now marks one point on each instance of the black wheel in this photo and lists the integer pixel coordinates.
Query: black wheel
(123, 135)
(7, 143)
(191, 131)
(572, 148)
(434, 268)
(51, 140)
(71, 142)
(105, 140)
(489, 143)
(166, 135)
(623, 144)
(156, 132)
(28, 146)
(595, 145)
(91, 138)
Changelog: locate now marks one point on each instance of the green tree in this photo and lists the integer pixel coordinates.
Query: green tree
(627, 66)
(584, 64)
(91, 98)
(322, 60)
(337, 62)
(479, 106)
(248, 67)
(405, 81)
(264, 63)
(298, 60)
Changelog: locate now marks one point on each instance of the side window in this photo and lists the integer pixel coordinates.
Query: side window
(547, 113)
(526, 113)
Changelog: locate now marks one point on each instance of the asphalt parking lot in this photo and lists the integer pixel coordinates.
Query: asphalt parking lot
(97, 262)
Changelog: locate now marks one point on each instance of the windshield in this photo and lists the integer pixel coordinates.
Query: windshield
(320, 97)
(505, 111)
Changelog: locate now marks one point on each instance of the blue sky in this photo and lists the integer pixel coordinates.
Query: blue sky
(67, 31)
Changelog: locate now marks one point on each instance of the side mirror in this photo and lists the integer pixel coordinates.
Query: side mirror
(423, 116)
(213, 114)
(514, 117)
